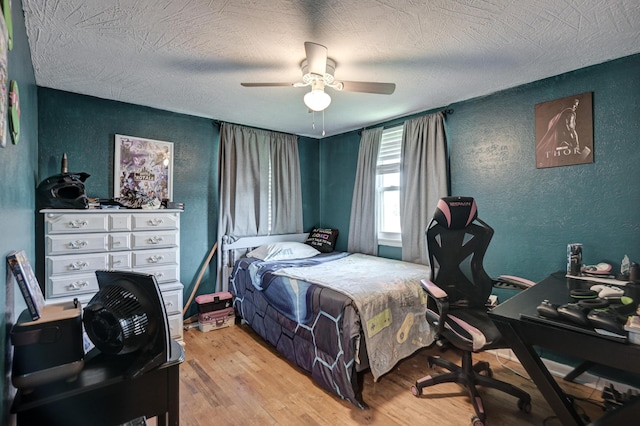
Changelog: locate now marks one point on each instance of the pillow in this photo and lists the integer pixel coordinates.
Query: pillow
(322, 239)
(283, 251)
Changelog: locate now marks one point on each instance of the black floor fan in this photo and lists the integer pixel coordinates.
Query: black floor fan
(127, 316)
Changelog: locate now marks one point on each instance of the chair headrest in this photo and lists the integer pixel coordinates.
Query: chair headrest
(456, 212)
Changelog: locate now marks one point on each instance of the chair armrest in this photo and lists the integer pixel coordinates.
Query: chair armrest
(512, 281)
(441, 299)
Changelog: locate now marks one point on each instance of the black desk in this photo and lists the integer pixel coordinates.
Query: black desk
(521, 334)
(102, 396)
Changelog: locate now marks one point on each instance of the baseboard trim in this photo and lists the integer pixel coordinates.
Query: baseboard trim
(559, 369)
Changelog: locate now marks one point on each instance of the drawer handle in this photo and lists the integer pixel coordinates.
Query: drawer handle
(168, 304)
(78, 266)
(78, 223)
(156, 221)
(78, 285)
(159, 274)
(116, 262)
(155, 240)
(77, 244)
(117, 243)
(155, 259)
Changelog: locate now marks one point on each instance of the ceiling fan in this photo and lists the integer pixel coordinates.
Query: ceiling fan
(317, 71)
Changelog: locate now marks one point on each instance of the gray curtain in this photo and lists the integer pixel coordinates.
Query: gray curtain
(363, 237)
(246, 159)
(423, 181)
(285, 186)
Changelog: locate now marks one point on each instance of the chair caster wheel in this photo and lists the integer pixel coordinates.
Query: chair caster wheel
(415, 391)
(475, 421)
(524, 406)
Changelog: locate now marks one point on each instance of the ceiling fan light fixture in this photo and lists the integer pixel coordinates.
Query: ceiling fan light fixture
(317, 99)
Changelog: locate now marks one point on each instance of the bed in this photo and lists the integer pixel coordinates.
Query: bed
(335, 315)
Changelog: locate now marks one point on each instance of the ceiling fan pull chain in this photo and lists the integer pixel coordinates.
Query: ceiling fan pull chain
(313, 120)
(322, 122)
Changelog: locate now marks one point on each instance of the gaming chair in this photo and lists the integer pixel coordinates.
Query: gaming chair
(457, 300)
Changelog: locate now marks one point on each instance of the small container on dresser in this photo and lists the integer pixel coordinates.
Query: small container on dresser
(76, 243)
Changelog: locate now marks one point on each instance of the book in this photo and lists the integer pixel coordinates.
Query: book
(27, 282)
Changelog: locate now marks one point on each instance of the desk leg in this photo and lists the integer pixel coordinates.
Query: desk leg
(174, 396)
(540, 375)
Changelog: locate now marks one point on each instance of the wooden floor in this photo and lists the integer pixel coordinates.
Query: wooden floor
(232, 377)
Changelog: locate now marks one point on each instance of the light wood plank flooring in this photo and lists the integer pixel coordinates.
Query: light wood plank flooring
(232, 377)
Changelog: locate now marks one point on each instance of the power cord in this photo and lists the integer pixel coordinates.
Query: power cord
(504, 365)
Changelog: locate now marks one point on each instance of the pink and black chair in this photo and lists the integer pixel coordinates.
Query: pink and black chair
(458, 292)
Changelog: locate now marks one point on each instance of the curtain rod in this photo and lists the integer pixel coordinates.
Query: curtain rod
(446, 112)
(219, 124)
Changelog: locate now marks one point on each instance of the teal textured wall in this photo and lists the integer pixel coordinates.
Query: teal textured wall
(84, 127)
(18, 167)
(536, 212)
(338, 161)
(309, 153)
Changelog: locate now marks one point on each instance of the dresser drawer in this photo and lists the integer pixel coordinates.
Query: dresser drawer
(75, 223)
(70, 244)
(70, 284)
(76, 264)
(143, 240)
(120, 241)
(144, 258)
(172, 301)
(175, 326)
(163, 273)
(120, 261)
(119, 222)
(148, 221)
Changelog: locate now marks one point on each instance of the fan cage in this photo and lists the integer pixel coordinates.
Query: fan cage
(116, 321)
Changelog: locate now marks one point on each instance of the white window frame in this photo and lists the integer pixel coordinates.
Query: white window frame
(388, 162)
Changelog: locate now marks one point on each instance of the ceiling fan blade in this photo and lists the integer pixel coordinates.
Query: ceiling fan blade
(266, 84)
(316, 57)
(368, 87)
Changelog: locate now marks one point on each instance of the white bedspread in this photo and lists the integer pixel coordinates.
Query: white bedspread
(389, 298)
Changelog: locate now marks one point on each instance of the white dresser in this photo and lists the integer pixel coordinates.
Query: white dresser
(79, 242)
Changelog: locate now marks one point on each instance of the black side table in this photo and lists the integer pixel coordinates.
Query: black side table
(101, 395)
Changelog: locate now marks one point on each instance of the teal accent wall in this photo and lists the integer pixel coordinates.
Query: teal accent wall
(85, 127)
(536, 212)
(18, 169)
(338, 161)
(309, 153)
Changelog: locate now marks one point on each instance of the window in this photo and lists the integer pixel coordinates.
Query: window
(388, 187)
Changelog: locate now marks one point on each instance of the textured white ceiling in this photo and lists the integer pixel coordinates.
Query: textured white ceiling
(190, 56)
